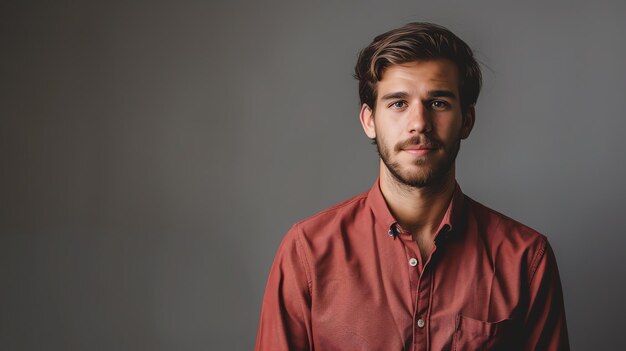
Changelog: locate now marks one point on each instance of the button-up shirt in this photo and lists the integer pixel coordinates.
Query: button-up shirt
(350, 278)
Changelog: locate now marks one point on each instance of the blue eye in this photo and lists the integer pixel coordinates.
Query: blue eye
(398, 104)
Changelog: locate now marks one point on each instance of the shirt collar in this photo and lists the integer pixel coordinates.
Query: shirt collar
(452, 219)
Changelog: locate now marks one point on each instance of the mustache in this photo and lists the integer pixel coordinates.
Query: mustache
(418, 140)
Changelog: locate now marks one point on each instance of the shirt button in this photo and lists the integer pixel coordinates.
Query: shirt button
(413, 262)
(420, 323)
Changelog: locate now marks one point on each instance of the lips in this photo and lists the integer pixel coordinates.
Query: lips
(419, 145)
(419, 149)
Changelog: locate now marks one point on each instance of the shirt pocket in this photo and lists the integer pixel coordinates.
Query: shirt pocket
(476, 335)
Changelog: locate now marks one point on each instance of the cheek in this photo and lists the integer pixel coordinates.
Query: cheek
(390, 130)
(452, 130)
(386, 136)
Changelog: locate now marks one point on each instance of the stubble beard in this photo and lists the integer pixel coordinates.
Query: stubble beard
(426, 175)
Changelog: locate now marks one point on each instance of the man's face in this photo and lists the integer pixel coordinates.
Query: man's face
(417, 123)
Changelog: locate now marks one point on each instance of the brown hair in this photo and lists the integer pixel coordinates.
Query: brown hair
(414, 42)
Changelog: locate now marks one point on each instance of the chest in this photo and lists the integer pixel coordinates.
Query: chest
(379, 299)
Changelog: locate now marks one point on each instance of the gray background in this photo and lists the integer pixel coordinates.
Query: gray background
(153, 154)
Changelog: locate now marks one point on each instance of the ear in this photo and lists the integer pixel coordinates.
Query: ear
(468, 122)
(367, 121)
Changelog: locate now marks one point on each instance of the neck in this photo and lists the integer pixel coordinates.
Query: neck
(417, 210)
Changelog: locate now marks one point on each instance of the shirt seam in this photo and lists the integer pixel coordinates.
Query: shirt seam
(536, 259)
(303, 260)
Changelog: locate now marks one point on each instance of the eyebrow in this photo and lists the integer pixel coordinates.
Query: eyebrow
(442, 93)
(395, 95)
(431, 93)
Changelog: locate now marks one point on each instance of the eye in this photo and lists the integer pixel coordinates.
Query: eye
(439, 105)
(398, 104)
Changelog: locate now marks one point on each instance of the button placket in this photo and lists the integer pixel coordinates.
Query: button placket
(421, 313)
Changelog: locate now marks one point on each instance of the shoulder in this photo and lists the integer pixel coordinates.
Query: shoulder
(327, 225)
(333, 216)
(505, 236)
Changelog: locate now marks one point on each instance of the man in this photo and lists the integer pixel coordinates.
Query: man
(413, 264)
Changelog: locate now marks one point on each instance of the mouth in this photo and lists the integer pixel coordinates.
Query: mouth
(419, 150)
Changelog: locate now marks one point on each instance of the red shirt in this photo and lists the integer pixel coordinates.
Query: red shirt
(349, 278)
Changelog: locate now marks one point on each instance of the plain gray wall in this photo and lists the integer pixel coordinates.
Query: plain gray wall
(153, 154)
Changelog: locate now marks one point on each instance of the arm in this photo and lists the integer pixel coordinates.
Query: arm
(545, 327)
(285, 322)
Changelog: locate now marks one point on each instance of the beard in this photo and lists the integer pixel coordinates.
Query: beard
(429, 171)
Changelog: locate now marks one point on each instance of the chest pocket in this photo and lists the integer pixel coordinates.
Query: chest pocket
(475, 335)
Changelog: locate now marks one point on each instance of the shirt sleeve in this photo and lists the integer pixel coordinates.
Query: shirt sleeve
(545, 327)
(285, 322)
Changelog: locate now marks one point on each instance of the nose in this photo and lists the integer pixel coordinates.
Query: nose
(419, 121)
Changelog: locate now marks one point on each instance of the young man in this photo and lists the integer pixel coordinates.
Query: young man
(413, 263)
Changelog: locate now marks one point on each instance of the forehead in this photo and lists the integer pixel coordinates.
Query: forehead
(420, 76)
